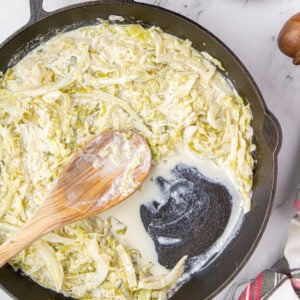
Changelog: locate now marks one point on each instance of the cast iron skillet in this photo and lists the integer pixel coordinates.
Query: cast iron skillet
(225, 267)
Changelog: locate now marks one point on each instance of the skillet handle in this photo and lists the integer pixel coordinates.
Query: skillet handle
(37, 12)
(114, 1)
(272, 132)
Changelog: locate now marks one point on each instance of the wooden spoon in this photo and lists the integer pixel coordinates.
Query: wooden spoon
(91, 183)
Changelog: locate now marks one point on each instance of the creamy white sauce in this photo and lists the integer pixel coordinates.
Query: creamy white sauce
(128, 212)
(124, 61)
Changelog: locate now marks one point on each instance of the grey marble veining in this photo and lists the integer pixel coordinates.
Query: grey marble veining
(250, 29)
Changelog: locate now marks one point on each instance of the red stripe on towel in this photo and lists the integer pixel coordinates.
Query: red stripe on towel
(297, 205)
(254, 290)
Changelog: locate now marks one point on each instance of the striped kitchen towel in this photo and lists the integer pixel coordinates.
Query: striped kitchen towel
(276, 286)
(269, 285)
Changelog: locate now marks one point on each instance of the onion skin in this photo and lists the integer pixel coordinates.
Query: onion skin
(289, 38)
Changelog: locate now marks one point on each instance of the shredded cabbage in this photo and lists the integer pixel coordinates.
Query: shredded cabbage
(79, 84)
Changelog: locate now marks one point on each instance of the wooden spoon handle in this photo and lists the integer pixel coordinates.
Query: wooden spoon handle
(54, 213)
(40, 224)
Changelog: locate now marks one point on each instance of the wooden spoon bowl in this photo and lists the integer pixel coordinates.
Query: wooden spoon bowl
(103, 173)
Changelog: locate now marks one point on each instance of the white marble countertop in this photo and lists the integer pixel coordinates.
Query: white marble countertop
(250, 29)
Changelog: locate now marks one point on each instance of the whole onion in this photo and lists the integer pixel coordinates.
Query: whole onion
(289, 38)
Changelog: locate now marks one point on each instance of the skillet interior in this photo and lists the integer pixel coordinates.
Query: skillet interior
(217, 274)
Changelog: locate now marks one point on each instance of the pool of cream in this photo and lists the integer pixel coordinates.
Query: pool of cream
(136, 236)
